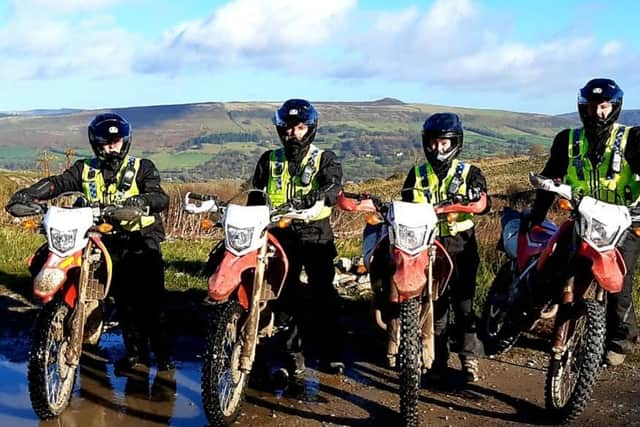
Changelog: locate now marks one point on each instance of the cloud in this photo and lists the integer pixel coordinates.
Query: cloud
(250, 32)
(456, 43)
(41, 45)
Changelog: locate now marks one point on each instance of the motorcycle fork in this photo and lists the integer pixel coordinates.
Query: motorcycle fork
(78, 316)
(250, 335)
(568, 312)
(426, 325)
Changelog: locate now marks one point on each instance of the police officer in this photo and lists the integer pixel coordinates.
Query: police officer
(601, 159)
(304, 174)
(115, 177)
(444, 177)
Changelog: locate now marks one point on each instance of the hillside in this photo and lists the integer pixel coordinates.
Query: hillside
(223, 140)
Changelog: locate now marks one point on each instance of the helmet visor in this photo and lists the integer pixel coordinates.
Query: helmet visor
(600, 93)
(290, 117)
(110, 131)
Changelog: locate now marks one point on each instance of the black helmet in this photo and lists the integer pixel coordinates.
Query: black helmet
(291, 113)
(597, 91)
(442, 125)
(106, 128)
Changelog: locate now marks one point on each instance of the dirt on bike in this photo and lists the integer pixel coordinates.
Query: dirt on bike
(409, 270)
(245, 281)
(591, 268)
(72, 276)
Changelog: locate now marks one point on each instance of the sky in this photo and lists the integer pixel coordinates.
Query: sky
(529, 56)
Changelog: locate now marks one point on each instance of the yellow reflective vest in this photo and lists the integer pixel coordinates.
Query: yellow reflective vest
(282, 187)
(612, 180)
(428, 188)
(125, 186)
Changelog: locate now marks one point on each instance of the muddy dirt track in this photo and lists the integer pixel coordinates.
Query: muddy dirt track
(510, 391)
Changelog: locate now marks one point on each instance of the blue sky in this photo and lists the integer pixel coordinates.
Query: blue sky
(503, 54)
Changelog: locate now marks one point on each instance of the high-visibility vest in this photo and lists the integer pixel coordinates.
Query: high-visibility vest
(611, 180)
(125, 186)
(282, 187)
(428, 188)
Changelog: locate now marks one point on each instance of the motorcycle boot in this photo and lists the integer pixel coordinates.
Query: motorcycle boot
(470, 368)
(137, 354)
(162, 344)
(613, 358)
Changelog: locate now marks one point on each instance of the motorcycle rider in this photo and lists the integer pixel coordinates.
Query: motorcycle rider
(444, 177)
(304, 174)
(601, 159)
(115, 177)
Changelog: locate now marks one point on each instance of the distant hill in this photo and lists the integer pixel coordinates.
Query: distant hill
(222, 140)
(628, 117)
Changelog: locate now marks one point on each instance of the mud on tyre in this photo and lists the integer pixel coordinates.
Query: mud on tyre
(570, 380)
(223, 384)
(50, 379)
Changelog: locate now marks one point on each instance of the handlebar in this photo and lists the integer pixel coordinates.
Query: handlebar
(365, 202)
(208, 203)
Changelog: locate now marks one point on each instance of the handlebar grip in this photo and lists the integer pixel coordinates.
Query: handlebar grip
(201, 197)
(354, 195)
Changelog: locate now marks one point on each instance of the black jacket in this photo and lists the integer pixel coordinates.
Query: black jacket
(330, 185)
(147, 180)
(558, 164)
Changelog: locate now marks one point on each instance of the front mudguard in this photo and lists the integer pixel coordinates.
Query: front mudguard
(608, 267)
(230, 275)
(236, 272)
(56, 272)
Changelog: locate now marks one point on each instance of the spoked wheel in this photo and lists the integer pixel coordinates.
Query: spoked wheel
(51, 379)
(495, 314)
(223, 384)
(409, 359)
(570, 379)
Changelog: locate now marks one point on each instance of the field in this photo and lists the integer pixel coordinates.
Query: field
(195, 142)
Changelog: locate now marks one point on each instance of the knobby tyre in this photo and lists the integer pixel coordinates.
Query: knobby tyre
(409, 360)
(223, 384)
(495, 313)
(50, 378)
(570, 380)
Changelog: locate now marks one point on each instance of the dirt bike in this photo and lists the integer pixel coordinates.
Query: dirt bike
(409, 270)
(249, 276)
(577, 295)
(522, 249)
(72, 279)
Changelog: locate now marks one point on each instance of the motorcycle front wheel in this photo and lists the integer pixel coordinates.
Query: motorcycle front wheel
(50, 378)
(570, 378)
(495, 314)
(223, 383)
(409, 360)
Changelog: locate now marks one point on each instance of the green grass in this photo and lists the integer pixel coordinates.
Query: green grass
(16, 246)
(189, 159)
(184, 261)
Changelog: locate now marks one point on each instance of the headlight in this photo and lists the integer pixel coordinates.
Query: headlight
(411, 238)
(63, 240)
(602, 234)
(239, 238)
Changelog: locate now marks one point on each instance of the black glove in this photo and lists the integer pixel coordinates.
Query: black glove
(474, 194)
(21, 197)
(308, 200)
(137, 202)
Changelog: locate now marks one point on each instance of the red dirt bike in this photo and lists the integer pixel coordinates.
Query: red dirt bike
(522, 249)
(72, 282)
(247, 278)
(577, 297)
(409, 270)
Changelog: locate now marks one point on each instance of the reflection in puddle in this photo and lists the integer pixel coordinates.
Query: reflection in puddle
(101, 399)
